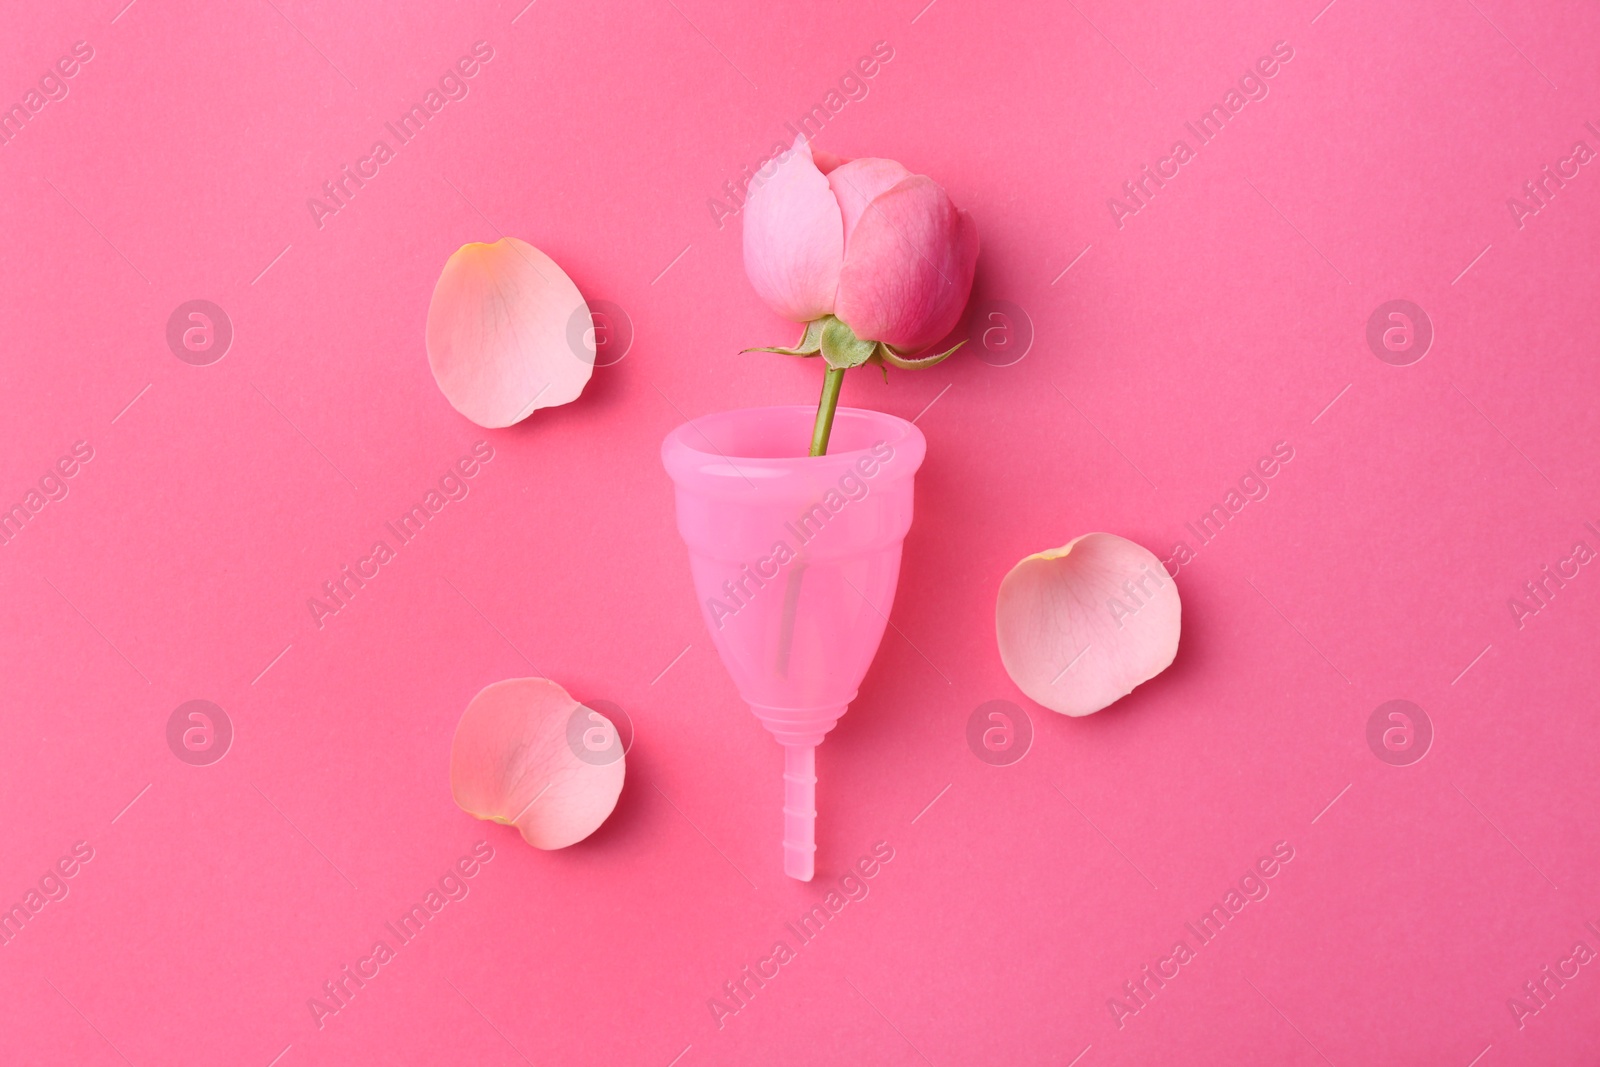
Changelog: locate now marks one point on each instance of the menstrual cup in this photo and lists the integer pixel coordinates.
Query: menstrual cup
(795, 559)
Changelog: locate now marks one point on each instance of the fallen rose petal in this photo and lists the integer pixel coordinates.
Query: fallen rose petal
(528, 755)
(1080, 626)
(499, 334)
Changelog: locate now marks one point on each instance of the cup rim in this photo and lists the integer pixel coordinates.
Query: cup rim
(690, 437)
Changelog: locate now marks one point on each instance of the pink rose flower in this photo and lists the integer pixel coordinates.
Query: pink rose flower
(865, 241)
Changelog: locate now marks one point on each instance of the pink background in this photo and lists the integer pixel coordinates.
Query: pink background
(1168, 356)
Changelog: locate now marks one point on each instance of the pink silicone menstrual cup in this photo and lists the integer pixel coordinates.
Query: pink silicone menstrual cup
(795, 560)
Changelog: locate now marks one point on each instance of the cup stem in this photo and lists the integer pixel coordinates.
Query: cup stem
(799, 811)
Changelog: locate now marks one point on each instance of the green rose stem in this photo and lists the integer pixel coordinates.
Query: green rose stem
(831, 381)
(833, 340)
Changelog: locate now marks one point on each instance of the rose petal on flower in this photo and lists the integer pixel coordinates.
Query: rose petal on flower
(826, 161)
(516, 760)
(794, 238)
(500, 335)
(1080, 626)
(858, 183)
(908, 267)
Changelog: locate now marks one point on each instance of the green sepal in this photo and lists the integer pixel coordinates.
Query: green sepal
(888, 356)
(841, 347)
(810, 342)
